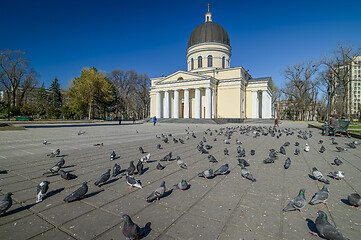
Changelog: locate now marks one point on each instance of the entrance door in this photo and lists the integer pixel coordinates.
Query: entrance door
(182, 110)
(204, 112)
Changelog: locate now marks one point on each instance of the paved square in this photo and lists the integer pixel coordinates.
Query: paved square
(223, 207)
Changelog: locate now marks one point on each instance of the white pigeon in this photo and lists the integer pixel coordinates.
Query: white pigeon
(45, 142)
(42, 189)
(145, 158)
(307, 148)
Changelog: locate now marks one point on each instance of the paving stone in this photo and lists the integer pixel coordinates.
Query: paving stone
(243, 233)
(53, 234)
(125, 205)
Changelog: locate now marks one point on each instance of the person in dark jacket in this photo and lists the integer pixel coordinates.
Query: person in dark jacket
(333, 124)
(154, 120)
(120, 120)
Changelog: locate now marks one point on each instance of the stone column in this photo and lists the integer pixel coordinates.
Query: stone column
(213, 102)
(158, 109)
(166, 104)
(186, 103)
(208, 113)
(255, 104)
(266, 105)
(176, 104)
(197, 106)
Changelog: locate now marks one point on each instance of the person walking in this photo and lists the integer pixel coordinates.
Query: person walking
(154, 120)
(120, 120)
(276, 122)
(133, 120)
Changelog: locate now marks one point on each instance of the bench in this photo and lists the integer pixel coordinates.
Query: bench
(23, 118)
(342, 127)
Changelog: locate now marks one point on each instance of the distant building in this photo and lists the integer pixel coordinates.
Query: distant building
(355, 86)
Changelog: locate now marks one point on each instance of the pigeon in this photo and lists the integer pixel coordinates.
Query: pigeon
(98, 145)
(180, 163)
(81, 132)
(116, 169)
(325, 229)
(319, 176)
(215, 139)
(243, 161)
(238, 142)
(226, 141)
(157, 194)
(145, 158)
(159, 146)
(131, 231)
(350, 145)
(61, 163)
(103, 178)
(182, 185)
(337, 175)
(222, 170)
(322, 149)
(226, 151)
(337, 162)
(287, 163)
(239, 149)
(204, 139)
(112, 156)
(297, 144)
(67, 175)
(165, 140)
(269, 160)
(297, 203)
(167, 157)
(282, 150)
(208, 147)
(297, 151)
(175, 140)
(140, 167)
(54, 153)
(334, 142)
(354, 199)
(132, 182)
(141, 150)
(307, 148)
(6, 203)
(341, 149)
(321, 196)
(286, 144)
(253, 152)
(181, 141)
(77, 194)
(193, 135)
(187, 137)
(320, 142)
(206, 173)
(54, 170)
(42, 188)
(130, 170)
(247, 174)
(212, 159)
(160, 167)
(45, 142)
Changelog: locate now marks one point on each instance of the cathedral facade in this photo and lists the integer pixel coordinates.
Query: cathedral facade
(210, 88)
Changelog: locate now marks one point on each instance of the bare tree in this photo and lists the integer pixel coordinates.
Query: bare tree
(15, 75)
(300, 85)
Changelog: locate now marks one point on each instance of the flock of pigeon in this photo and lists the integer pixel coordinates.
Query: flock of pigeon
(133, 231)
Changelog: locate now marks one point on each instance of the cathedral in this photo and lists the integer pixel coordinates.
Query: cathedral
(210, 88)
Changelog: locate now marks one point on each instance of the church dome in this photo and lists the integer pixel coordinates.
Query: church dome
(208, 32)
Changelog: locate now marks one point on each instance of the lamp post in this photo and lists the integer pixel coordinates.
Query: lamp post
(9, 96)
(329, 103)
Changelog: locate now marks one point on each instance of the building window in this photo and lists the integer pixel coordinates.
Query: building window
(210, 61)
(192, 64)
(199, 61)
(223, 62)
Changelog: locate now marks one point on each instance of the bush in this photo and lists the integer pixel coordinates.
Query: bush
(351, 119)
(53, 112)
(68, 112)
(26, 110)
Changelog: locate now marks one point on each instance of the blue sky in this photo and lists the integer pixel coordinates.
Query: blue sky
(61, 37)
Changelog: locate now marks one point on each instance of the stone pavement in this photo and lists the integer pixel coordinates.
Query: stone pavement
(225, 207)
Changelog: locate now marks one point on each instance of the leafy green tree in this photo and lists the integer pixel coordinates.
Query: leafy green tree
(26, 110)
(90, 90)
(68, 112)
(41, 101)
(55, 96)
(53, 112)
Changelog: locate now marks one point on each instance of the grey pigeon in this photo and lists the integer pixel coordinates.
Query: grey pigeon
(159, 146)
(112, 156)
(242, 161)
(212, 159)
(282, 150)
(321, 196)
(239, 149)
(325, 229)
(238, 142)
(247, 174)
(53, 170)
(206, 173)
(175, 140)
(350, 145)
(54, 153)
(132, 182)
(181, 141)
(167, 157)
(297, 151)
(103, 178)
(322, 149)
(222, 170)
(141, 150)
(319, 176)
(41, 190)
(182, 185)
(130, 170)
(320, 142)
(61, 162)
(338, 175)
(208, 147)
(226, 151)
(160, 167)
(334, 142)
(226, 141)
(297, 144)
(337, 162)
(116, 169)
(287, 163)
(131, 230)
(81, 132)
(253, 152)
(77, 194)
(140, 167)
(6, 203)
(67, 175)
(180, 163)
(268, 160)
(297, 203)
(45, 142)
(158, 193)
(341, 149)
(354, 199)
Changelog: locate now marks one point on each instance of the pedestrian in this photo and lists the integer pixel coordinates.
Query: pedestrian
(154, 120)
(120, 120)
(276, 122)
(133, 120)
(333, 124)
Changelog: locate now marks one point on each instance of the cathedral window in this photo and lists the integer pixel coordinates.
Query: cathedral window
(192, 64)
(199, 61)
(210, 61)
(223, 62)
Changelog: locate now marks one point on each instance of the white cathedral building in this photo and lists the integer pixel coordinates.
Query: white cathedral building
(210, 88)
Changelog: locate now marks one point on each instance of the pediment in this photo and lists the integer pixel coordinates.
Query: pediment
(181, 76)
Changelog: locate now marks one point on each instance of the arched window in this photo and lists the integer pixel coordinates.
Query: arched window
(192, 64)
(199, 61)
(223, 62)
(180, 78)
(210, 61)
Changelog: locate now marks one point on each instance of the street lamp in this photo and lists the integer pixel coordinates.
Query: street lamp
(329, 102)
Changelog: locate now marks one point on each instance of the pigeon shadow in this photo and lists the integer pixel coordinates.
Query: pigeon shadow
(167, 193)
(145, 169)
(52, 175)
(110, 181)
(93, 194)
(345, 201)
(151, 161)
(116, 158)
(52, 193)
(74, 165)
(19, 209)
(3, 172)
(146, 230)
(312, 177)
(64, 155)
